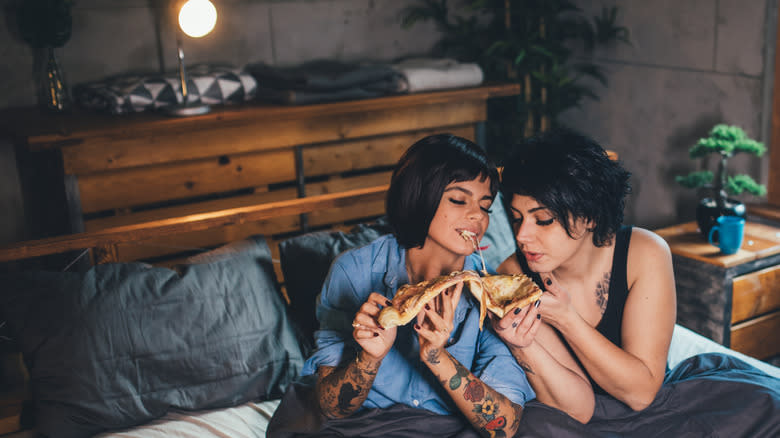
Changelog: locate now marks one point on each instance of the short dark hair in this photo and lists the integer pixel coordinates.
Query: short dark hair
(422, 174)
(572, 175)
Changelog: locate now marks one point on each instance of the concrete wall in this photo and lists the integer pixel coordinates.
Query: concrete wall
(692, 64)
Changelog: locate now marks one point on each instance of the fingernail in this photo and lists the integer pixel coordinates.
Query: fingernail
(548, 282)
(517, 310)
(514, 324)
(537, 303)
(417, 326)
(427, 307)
(376, 334)
(538, 316)
(446, 292)
(388, 303)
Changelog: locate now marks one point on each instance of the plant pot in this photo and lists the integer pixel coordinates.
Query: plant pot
(707, 213)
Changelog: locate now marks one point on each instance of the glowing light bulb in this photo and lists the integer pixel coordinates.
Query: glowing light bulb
(197, 18)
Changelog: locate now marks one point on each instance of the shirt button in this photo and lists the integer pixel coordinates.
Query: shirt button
(416, 402)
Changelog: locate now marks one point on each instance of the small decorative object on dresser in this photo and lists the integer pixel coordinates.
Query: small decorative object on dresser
(726, 141)
(733, 299)
(46, 25)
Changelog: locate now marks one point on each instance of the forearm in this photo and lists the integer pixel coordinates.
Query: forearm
(618, 372)
(341, 391)
(555, 384)
(486, 409)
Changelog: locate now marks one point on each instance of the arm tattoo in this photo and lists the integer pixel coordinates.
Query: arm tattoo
(343, 390)
(602, 293)
(487, 405)
(433, 356)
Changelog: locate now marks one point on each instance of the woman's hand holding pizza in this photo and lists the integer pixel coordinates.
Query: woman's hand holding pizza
(556, 302)
(372, 338)
(519, 326)
(435, 323)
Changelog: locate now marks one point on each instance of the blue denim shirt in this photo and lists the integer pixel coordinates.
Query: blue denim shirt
(402, 377)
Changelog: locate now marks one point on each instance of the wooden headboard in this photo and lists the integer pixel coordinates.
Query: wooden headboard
(111, 172)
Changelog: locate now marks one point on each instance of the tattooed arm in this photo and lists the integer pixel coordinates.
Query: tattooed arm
(491, 413)
(342, 390)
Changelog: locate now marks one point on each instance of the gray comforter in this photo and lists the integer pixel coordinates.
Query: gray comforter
(709, 395)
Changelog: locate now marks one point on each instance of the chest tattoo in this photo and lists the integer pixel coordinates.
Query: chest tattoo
(602, 293)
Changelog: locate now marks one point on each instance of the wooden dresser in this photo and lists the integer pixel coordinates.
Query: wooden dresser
(120, 170)
(732, 299)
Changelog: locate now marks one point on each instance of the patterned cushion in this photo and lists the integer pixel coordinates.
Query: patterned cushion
(213, 85)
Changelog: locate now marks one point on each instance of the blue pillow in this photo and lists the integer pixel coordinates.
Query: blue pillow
(123, 343)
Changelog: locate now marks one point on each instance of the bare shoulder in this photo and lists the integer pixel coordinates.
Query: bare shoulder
(647, 243)
(649, 256)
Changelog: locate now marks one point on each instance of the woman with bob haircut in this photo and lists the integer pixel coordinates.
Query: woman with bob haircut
(442, 362)
(605, 321)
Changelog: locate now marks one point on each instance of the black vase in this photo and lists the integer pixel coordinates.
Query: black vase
(707, 213)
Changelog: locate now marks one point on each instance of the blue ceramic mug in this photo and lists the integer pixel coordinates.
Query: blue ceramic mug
(731, 230)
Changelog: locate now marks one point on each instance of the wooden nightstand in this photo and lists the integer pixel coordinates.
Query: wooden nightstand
(732, 299)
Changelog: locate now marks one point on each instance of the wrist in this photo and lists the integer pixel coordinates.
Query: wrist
(367, 363)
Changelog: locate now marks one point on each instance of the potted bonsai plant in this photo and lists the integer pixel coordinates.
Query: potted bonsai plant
(725, 141)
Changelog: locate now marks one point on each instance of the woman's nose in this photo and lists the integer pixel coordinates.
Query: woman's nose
(522, 233)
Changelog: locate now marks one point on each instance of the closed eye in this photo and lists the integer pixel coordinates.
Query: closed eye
(544, 223)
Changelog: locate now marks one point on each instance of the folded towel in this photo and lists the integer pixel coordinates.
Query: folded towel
(426, 74)
(211, 85)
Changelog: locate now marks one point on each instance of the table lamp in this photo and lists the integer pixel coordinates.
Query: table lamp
(196, 19)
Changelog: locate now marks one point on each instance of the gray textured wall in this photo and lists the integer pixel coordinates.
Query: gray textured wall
(693, 63)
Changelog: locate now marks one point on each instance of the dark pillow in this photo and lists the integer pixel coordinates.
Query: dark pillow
(121, 344)
(305, 262)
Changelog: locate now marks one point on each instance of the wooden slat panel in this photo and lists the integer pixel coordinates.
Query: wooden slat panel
(367, 153)
(773, 196)
(351, 212)
(149, 230)
(139, 186)
(759, 337)
(115, 150)
(755, 294)
(202, 239)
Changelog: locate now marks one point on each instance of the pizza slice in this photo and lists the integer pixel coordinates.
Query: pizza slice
(411, 298)
(497, 293)
(502, 293)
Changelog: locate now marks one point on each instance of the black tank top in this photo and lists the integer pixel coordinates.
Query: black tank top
(611, 320)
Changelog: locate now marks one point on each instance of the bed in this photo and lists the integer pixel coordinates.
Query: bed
(210, 346)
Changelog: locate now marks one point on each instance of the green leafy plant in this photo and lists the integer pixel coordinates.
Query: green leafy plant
(725, 141)
(530, 42)
(45, 23)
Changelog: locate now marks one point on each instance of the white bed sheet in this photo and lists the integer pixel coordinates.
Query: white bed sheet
(249, 420)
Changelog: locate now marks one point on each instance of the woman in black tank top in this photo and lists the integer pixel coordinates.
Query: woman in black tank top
(605, 322)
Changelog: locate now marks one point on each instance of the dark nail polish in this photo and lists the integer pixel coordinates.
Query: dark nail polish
(538, 316)
(446, 292)
(417, 326)
(548, 282)
(376, 334)
(427, 307)
(514, 324)
(388, 303)
(517, 310)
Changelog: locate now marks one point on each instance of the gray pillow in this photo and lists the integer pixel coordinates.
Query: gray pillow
(123, 343)
(305, 263)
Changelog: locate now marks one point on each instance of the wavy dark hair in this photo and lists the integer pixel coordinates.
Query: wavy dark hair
(422, 174)
(572, 175)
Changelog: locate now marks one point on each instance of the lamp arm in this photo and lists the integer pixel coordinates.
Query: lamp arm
(182, 71)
